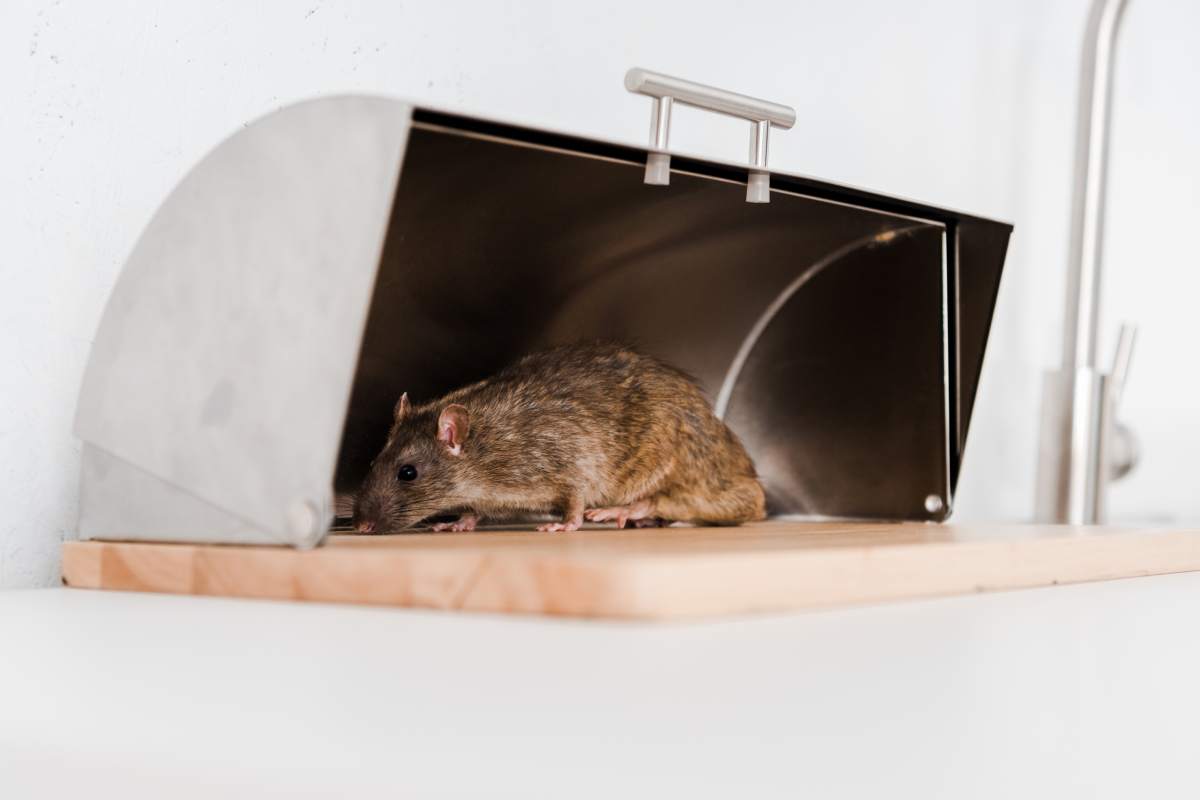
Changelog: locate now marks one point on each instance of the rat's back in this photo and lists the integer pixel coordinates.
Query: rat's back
(613, 432)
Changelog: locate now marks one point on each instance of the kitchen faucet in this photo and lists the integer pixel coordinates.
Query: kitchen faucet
(1081, 446)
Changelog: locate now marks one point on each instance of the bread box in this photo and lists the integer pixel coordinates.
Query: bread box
(337, 252)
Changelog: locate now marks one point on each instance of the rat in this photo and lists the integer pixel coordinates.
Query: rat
(591, 430)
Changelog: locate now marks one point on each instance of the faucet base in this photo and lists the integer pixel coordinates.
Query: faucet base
(1076, 427)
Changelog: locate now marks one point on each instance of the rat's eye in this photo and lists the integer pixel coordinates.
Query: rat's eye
(407, 473)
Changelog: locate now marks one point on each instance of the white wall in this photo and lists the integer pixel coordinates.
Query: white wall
(963, 104)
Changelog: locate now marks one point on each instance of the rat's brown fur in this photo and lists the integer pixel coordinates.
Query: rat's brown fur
(595, 428)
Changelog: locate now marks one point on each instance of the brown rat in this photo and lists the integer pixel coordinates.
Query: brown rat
(591, 430)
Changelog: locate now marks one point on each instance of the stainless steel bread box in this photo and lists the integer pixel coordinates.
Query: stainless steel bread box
(339, 251)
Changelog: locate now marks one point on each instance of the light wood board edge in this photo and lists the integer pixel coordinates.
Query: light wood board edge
(637, 586)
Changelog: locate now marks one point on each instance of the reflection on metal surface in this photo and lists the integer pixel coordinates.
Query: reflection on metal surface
(748, 344)
(842, 399)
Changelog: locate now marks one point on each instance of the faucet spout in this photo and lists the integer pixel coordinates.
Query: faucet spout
(1091, 172)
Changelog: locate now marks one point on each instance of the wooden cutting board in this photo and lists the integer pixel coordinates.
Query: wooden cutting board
(644, 574)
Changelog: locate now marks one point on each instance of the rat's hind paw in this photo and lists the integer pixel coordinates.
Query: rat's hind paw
(466, 522)
(634, 512)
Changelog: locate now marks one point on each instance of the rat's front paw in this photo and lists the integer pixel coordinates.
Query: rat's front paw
(563, 527)
(466, 522)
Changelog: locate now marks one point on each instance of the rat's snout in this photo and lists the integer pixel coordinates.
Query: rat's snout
(368, 516)
(379, 512)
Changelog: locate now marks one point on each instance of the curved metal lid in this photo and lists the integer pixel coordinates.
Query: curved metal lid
(225, 356)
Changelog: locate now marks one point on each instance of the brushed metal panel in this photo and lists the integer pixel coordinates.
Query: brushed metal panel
(226, 353)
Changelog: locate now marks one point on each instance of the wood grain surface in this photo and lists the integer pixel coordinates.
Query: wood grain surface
(644, 574)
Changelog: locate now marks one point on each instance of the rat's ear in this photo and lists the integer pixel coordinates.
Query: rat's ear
(454, 423)
(401, 407)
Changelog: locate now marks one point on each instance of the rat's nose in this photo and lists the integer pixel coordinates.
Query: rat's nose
(365, 527)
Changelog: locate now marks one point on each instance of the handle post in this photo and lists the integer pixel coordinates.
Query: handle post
(658, 165)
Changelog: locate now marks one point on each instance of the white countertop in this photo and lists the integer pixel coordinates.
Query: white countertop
(1078, 691)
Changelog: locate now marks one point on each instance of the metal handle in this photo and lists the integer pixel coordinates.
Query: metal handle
(1124, 450)
(1126, 337)
(666, 90)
